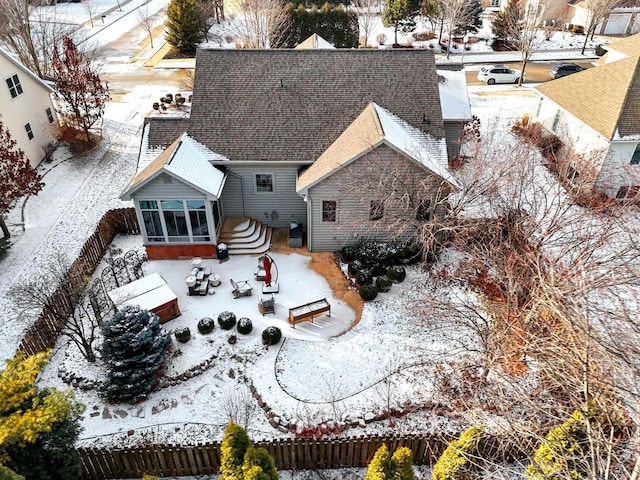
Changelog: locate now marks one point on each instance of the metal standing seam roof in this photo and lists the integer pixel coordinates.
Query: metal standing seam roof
(187, 160)
(373, 127)
(605, 98)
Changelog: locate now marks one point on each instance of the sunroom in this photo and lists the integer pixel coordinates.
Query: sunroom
(176, 198)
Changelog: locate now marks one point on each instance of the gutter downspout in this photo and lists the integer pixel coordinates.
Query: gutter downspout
(309, 224)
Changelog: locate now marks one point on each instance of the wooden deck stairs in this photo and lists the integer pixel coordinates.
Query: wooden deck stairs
(245, 236)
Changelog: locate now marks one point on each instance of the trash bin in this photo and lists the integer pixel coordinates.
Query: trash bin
(295, 235)
(223, 251)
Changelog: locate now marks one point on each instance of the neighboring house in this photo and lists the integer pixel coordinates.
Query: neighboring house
(597, 111)
(313, 42)
(26, 108)
(263, 119)
(622, 20)
(456, 109)
(494, 5)
(627, 47)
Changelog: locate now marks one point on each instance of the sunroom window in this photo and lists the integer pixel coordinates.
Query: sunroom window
(175, 221)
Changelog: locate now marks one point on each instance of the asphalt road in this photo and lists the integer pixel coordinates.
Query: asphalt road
(536, 72)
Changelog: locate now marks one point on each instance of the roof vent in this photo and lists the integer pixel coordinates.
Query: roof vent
(425, 120)
(281, 84)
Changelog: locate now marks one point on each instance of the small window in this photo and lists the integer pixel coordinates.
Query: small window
(30, 134)
(49, 115)
(423, 211)
(264, 183)
(376, 210)
(635, 158)
(556, 122)
(15, 89)
(329, 209)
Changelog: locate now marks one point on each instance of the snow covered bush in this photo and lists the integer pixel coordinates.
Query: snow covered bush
(206, 325)
(397, 273)
(354, 267)
(244, 326)
(133, 350)
(349, 253)
(383, 283)
(368, 291)
(183, 334)
(386, 467)
(460, 458)
(271, 335)
(364, 276)
(227, 320)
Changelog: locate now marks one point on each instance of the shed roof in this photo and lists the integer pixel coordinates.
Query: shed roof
(315, 41)
(373, 127)
(454, 96)
(252, 105)
(186, 160)
(606, 98)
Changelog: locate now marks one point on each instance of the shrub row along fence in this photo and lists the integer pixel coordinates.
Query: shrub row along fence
(289, 454)
(44, 333)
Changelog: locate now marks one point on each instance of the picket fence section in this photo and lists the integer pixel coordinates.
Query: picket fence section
(289, 454)
(45, 331)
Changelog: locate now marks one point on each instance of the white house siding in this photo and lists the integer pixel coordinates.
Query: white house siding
(617, 170)
(353, 198)
(30, 107)
(277, 209)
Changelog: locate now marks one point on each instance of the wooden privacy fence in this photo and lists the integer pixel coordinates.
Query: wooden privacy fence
(289, 454)
(45, 331)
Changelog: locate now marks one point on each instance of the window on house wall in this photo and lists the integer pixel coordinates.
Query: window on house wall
(29, 131)
(175, 220)
(329, 210)
(635, 158)
(376, 210)
(538, 108)
(49, 115)
(495, 3)
(423, 210)
(556, 122)
(151, 218)
(15, 89)
(264, 183)
(627, 192)
(198, 220)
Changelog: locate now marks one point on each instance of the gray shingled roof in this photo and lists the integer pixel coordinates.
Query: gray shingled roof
(292, 104)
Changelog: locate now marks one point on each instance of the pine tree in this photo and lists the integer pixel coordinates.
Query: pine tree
(258, 465)
(37, 428)
(232, 450)
(472, 17)
(503, 22)
(133, 349)
(17, 177)
(454, 463)
(84, 95)
(183, 27)
(386, 467)
(401, 15)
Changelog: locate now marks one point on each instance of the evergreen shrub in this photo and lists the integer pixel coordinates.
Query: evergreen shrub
(271, 335)
(364, 276)
(368, 291)
(354, 267)
(183, 334)
(460, 458)
(397, 273)
(206, 325)
(244, 326)
(383, 283)
(227, 320)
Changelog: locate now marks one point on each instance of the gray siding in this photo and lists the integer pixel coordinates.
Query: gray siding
(453, 134)
(159, 189)
(375, 176)
(285, 202)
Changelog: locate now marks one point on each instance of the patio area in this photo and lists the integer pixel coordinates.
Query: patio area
(298, 285)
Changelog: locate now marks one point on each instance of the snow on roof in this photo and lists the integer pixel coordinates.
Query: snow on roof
(187, 160)
(454, 96)
(416, 144)
(136, 288)
(315, 41)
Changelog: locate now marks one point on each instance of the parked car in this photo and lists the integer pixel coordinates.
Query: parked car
(563, 69)
(499, 74)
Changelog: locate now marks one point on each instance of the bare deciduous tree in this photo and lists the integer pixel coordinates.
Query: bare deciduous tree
(208, 15)
(32, 33)
(595, 12)
(258, 19)
(146, 22)
(239, 407)
(91, 10)
(367, 16)
(454, 14)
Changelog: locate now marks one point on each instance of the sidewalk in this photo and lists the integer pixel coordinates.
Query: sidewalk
(506, 57)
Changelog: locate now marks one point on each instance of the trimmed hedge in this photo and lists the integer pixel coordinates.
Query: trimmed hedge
(383, 283)
(227, 320)
(368, 291)
(244, 326)
(349, 253)
(364, 276)
(183, 334)
(206, 325)
(354, 267)
(271, 335)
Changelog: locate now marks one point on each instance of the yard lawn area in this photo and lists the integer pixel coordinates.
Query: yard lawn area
(332, 372)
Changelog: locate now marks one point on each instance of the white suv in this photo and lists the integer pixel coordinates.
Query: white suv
(499, 74)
